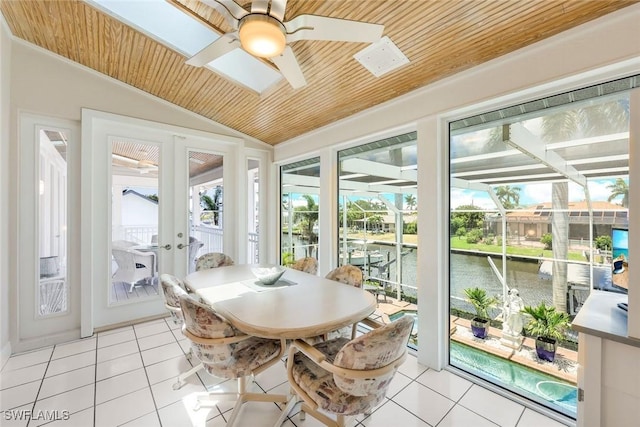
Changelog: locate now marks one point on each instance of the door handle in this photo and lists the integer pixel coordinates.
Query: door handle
(167, 247)
(181, 246)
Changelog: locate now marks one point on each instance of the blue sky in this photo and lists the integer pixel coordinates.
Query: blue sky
(536, 193)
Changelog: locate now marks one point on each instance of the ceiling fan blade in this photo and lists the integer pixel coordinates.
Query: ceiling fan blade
(226, 43)
(231, 10)
(312, 27)
(277, 9)
(289, 67)
(260, 6)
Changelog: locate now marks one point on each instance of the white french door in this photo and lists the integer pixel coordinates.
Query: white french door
(145, 179)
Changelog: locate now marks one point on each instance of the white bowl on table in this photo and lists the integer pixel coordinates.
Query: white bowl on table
(268, 275)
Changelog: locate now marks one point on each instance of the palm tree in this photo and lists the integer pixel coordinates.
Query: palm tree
(582, 122)
(212, 204)
(508, 196)
(308, 216)
(410, 201)
(620, 188)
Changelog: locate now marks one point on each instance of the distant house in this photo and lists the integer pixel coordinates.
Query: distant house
(138, 209)
(134, 216)
(532, 222)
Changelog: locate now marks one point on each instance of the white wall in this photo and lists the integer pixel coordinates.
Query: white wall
(138, 211)
(5, 64)
(49, 84)
(601, 50)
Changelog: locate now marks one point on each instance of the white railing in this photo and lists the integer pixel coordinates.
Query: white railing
(140, 233)
(212, 238)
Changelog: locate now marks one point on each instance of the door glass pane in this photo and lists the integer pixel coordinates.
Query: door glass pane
(548, 189)
(300, 199)
(253, 209)
(134, 219)
(378, 221)
(206, 188)
(53, 296)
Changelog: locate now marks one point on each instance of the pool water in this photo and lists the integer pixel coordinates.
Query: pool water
(412, 313)
(535, 385)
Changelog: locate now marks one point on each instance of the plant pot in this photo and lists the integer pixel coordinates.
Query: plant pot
(546, 348)
(479, 327)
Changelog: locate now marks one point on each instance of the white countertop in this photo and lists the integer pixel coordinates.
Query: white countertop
(600, 316)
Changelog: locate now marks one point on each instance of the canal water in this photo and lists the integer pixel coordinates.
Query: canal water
(469, 270)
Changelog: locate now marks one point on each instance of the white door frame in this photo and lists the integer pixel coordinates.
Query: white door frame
(29, 331)
(97, 128)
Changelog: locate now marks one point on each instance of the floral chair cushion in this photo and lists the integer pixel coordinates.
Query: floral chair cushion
(319, 384)
(172, 287)
(213, 260)
(349, 274)
(308, 265)
(373, 350)
(370, 351)
(224, 360)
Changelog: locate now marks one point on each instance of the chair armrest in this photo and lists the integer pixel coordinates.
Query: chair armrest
(320, 359)
(373, 324)
(310, 351)
(210, 341)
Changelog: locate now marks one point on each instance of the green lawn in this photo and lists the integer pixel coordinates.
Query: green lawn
(458, 243)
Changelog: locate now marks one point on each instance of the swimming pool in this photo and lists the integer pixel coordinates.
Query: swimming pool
(535, 385)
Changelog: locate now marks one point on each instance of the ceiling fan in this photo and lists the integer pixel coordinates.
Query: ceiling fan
(141, 166)
(262, 32)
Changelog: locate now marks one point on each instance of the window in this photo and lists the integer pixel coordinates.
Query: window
(377, 220)
(300, 200)
(533, 199)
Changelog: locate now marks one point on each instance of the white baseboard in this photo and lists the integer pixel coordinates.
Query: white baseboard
(5, 354)
(46, 341)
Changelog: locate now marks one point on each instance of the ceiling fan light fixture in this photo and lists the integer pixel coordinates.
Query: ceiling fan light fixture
(262, 35)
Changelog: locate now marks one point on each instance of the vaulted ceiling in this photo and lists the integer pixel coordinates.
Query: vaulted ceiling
(440, 38)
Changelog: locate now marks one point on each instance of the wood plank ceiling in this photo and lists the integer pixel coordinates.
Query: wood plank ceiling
(440, 38)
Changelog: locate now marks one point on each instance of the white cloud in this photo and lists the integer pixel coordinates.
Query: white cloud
(535, 193)
(460, 197)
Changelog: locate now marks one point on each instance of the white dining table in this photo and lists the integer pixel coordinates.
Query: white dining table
(299, 305)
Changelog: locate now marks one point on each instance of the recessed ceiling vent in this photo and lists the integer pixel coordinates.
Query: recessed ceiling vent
(381, 57)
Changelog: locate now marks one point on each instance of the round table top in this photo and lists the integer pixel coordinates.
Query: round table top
(299, 305)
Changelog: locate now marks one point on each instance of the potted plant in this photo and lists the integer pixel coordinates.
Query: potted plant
(548, 326)
(481, 302)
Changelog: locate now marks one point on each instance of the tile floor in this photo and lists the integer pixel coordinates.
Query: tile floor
(123, 377)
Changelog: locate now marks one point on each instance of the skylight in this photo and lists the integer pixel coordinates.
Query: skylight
(170, 26)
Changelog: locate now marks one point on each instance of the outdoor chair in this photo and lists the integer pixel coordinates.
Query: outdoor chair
(347, 378)
(172, 289)
(307, 264)
(134, 266)
(226, 352)
(213, 260)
